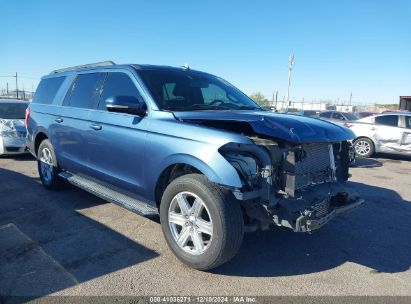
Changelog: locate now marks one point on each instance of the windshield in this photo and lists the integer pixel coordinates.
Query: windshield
(185, 90)
(351, 116)
(12, 110)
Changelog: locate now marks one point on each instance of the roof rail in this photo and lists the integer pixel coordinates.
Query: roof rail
(84, 66)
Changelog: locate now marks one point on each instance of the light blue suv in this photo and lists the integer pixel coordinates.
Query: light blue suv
(190, 147)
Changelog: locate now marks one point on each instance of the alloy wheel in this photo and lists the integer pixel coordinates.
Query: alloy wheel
(190, 223)
(46, 164)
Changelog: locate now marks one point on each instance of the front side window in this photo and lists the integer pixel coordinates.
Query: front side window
(47, 90)
(117, 84)
(185, 90)
(387, 120)
(84, 91)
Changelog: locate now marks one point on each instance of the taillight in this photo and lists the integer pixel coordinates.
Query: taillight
(27, 117)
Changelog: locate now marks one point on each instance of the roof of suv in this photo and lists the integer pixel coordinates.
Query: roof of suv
(111, 64)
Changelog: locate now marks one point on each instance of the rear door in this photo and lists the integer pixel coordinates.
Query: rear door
(388, 133)
(72, 128)
(116, 144)
(406, 134)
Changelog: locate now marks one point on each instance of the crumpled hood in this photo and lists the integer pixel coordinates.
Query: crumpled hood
(292, 128)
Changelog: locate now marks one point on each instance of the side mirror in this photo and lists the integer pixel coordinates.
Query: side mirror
(126, 104)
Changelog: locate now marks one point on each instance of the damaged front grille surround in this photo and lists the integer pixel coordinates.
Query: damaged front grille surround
(282, 171)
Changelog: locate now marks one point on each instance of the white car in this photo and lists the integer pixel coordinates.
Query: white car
(12, 127)
(385, 133)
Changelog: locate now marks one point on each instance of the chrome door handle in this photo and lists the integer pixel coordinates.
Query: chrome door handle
(96, 127)
(59, 120)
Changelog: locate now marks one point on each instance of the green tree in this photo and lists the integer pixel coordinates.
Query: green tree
(259, 98)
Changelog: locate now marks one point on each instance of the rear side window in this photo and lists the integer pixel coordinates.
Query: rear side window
(47, 90)
(387, 120)
(84, 91)
(117, 84)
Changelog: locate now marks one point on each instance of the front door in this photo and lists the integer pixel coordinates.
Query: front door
(117, 144)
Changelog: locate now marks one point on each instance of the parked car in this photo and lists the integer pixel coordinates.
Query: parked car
(387, 132)
(365, 114)
(12, 128)
(309, 113)
(270, 108)
(336, 116)
(192, 148)
(291, 111)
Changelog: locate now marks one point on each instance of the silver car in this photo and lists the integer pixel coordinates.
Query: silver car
(386, 133)
(12, 127)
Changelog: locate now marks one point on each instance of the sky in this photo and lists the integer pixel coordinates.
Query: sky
(341, 47)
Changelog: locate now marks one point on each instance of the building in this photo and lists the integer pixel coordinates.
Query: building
(405, 103)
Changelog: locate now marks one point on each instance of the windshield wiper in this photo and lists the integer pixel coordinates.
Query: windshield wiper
(248, 108)
(206, 106)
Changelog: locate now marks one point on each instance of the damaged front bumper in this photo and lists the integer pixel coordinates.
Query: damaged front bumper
(309, 222)
(12, 145)
(309, 210)
(314, 207)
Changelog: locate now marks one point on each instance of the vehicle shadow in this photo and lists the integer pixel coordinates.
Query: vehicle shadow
(19, 157)
(47, 244)
(393, 157)
(376, 235)
(366, 163)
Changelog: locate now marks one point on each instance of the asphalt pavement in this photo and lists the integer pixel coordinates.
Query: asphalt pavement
(70, 242)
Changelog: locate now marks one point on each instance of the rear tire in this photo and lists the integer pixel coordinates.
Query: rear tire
(364, 147)
(48, 167)
(202, 223)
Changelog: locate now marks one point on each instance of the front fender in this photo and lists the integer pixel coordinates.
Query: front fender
(217, 169)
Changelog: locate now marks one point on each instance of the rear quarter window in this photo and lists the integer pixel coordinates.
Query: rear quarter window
(47, 90)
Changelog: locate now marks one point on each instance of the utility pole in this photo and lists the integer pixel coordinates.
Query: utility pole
(350, 98)
(17, 87)
(7, 90)
(290, 68)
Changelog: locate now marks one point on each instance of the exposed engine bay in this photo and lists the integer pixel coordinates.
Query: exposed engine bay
(293, 185)
(293, 171)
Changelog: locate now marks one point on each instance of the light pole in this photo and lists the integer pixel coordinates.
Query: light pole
(290, 68)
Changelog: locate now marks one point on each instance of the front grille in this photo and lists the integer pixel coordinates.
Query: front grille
(314, 166)
(322, 208)
(306, 165)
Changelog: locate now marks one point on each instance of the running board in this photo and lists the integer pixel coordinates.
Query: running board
(139, 206)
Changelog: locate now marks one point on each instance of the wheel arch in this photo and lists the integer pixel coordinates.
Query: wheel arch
(40, 136)
(180, 165)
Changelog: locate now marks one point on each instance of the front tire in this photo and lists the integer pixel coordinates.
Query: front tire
(364, 147)
(48, 167)
(202, 223)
